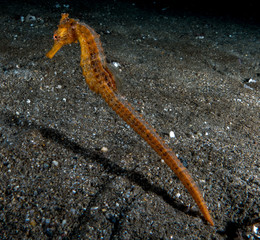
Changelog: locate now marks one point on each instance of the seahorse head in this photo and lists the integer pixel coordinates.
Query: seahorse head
(65, 34)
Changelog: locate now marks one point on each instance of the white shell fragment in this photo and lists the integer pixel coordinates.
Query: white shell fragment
(172, 134)
(251, 80)
(116, 64)
(256, 229)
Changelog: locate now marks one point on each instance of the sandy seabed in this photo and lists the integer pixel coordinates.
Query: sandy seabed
(196, 76)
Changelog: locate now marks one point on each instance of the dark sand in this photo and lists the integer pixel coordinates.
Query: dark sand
(195, 75)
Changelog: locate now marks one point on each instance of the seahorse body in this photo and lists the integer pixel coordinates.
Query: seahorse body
(101, 81)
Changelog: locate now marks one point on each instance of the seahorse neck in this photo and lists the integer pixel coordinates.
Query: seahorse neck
(90, 43)
(93, 61)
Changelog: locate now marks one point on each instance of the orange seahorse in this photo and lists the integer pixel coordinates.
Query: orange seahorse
(101, 81)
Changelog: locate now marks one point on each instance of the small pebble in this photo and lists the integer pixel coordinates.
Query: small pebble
(55, 163)
(104, 149)
(200, 37)
(45, 165)
(94, 208)
(73, 210)
(178, 195)
(30, 18)
(47, 221)
(33, 223)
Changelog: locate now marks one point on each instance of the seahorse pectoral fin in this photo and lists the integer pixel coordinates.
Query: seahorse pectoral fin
(56, 47)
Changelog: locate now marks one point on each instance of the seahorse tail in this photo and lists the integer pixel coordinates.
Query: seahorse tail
(134, 119)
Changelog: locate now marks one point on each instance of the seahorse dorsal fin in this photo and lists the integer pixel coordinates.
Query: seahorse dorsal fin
(64, 17)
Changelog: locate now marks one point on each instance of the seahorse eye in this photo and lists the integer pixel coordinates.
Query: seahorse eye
(55, 36)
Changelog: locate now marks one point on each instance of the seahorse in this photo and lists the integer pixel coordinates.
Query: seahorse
(101, 81)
